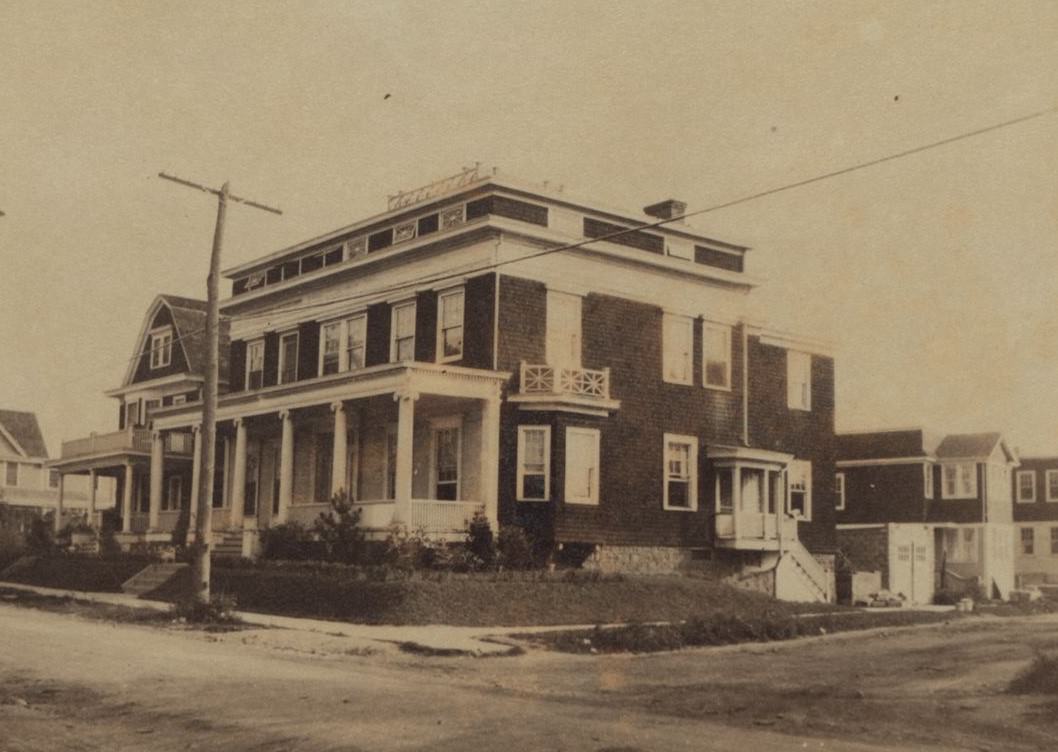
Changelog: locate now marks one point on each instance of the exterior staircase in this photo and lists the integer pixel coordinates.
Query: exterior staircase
(799, 577)
(227, 544)
(151, 578)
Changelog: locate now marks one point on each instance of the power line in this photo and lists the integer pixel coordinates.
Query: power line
(645, 226)
(648, 225)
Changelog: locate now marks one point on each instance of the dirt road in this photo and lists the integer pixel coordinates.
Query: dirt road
(68, 683)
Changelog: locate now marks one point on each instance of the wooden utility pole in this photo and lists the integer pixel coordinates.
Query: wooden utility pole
(200, 562)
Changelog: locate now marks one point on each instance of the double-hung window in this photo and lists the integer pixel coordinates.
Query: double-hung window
(534, 463)
(1054, 541)
(927, 480)
(11, 474)
(1026, 486)
(450, 325)
(132, 413)
(356, 341)
(798, 380)
(1028, 541)
(331, 348)
(681, 473)
(255, 364)
(161, 348)
(447, 448)
(799, 489)
(402, 340)
(677, 348)
(174, 497)
(288, 358)
(582, 466)
(839, 491)
(1051, 478)
(53, 479)
(959, 480)
(716, 356)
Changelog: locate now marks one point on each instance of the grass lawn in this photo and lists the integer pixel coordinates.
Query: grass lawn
(85, 573)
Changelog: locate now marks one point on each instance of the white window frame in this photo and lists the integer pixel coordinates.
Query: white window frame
(450, 293)
(672, 327)
(692, 472)
(806, 467)
(1047, 485)
(927, 480)
(393, 316)
(7, 466)
(161, 347)
(345, 364)
(135, 413)
(839, 490)
(1031, 475)
(340, 326)
(520, 489)
(281, 358)
(53, 474)
(250, 346)
(436, 426)
(798, 380)
(1031, 541)
(959, 491)
(593, 496)
(179, 399)
(170, 504)
(707, 327)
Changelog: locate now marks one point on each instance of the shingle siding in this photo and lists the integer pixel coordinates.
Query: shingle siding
(1041, 509)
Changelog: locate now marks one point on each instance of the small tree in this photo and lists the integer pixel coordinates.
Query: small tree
(338, 530)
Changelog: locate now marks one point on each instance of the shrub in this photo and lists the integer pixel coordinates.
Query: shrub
(40, 538)
(219, 610)
(480, 541)
(408, 550)
(290, 541)
(516, 548)
(338, 530)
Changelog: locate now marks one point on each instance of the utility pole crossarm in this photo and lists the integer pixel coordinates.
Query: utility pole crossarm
(200, 560)
(215, 192)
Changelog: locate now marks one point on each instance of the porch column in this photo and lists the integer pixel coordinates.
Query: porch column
(490, 458)
(238, 475)
(126, 498)
(286, 465)
(58, 502)
(91, 496)
(157, 469)
(341, 449)
(196, 476)
(405, 441)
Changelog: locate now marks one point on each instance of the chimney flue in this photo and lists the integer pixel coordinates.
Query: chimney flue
(668, 209)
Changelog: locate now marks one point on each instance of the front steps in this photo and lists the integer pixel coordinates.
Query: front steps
(151, 578)
(227, 545)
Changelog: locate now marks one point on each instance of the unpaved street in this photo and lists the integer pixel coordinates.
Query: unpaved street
(71, 683)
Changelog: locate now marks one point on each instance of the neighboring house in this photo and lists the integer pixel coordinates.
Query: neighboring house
(927, 511)
(1036, 516)
(27, 486)
(439, 359)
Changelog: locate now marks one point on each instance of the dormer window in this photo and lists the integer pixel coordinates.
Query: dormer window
(161, 347)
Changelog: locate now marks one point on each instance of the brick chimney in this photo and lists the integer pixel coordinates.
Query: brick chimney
(666, 209)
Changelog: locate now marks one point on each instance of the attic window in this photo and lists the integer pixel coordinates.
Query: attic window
(161, 348)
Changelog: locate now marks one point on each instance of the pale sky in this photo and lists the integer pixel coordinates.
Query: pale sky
(936, 277)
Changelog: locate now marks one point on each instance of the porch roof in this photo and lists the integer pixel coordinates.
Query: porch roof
(387, 378)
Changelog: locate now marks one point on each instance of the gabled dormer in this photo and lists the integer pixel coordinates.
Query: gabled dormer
(167, 366)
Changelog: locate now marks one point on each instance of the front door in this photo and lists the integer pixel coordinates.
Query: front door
(253, 478)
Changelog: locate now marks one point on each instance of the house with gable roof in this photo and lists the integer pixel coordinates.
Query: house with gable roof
(926, 510)
(28, 486)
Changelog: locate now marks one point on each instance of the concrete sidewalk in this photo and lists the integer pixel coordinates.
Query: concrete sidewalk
(479, 641)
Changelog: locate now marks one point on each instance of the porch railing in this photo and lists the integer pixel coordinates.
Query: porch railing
(754, 526)
(577, 382)
(129, 440)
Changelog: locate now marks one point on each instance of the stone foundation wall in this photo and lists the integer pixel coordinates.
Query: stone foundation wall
(639, 559)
